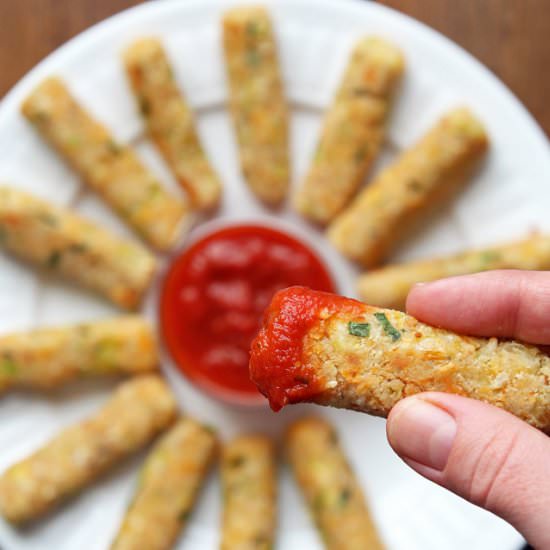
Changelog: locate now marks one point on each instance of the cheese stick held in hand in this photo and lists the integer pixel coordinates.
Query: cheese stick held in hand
(353, 130)
(170, 121)
(249, 494)
(389, 286)
(433, 169)
(331, 490)
(111, 169)
(168, 486)
(50, 357)
(64, 244)
(326, 349)
(256, 98)
(138, 411)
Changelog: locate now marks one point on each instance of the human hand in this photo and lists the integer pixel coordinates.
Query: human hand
(478, 451)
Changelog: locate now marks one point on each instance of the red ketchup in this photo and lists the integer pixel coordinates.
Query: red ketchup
(214, 297)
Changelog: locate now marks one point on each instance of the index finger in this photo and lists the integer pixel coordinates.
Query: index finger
(512, 304)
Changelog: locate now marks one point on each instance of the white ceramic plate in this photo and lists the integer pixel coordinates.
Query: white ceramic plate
(506, 200)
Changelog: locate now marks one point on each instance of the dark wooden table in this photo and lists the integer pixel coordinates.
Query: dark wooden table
(512, 37)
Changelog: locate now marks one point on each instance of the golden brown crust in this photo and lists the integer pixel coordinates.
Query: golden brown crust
(249, 493)
(258, 105)
(401, 357)
(389, 286)
(353, 130)
(170, 121)
(168, 486)
(63, 243)
(138, 410)
(111, 169)
(434, 168)
(50, 357)
(330, 488)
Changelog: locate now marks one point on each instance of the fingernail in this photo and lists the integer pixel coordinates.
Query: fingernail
(422, 432)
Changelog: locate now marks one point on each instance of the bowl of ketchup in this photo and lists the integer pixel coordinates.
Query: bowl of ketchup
(213, 298)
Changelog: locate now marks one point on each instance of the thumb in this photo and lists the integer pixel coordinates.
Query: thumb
(481, 453)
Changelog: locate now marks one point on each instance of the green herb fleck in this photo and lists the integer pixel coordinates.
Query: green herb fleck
(362, 92)
(8, 366)
(318, 503)
(53, 260)
(389, 329)
(106, 352)
(489, 256)
(253, 58)
(154, 190)
(3, 235)
(78, 248)
(333, 437)
(359, 329)
(345, 496)
(237, 461)
(252, 29)
(74, 141)
(360, 154)
(47, 219)
(144, 106)
(414, 185)
(184, 516)
(39, 117)
(210, 429)
(113, 147)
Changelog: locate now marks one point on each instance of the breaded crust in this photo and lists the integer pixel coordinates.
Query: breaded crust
(330, 488)
(138, 410)
(433, 169)
(249, 493)
(111, 169)
(65, 244)
(353, 130)
(389, 286)
(257, 102)
(167, 489)
(170, 121)
(330, 350)
(50, 357)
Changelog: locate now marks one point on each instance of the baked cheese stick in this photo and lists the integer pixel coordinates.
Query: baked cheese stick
(330, 350)
(332, 492)
(249, 492)
(389, 286)
(170, 121)
(73, 459)
(384, 211)
(256, 97)
(67, 245)
(168, 485)
(111, 169)
(353, 130)
(50, 357)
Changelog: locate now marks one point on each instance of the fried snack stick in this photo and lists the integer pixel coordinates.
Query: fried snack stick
(330, 350)
(111, 169)
(249, 492)
(332, 492)
(389, 286)
(258, 106)
(168, 485)
(50, 357)
(434, 168)
(137, 412)
(353, 130)
(65, 244)
(170, 121)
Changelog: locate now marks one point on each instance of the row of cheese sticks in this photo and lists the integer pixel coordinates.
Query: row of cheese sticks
(176, 467)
